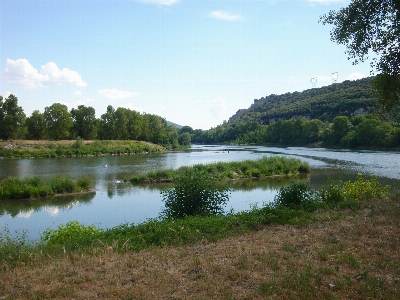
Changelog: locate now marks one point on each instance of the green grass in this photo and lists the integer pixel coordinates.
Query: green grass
(78, 148)
(260, 168)
(177, 232)
(36, 187)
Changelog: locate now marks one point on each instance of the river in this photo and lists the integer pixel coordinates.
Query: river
(116, 202)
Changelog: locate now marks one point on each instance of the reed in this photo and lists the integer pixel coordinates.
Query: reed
(247, 169)
(35, 187)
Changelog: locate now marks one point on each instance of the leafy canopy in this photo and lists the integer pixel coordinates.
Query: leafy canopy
(372, 27)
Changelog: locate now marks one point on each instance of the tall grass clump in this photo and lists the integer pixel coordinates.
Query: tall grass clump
(35, 187)
(14, 249)
(260, 168)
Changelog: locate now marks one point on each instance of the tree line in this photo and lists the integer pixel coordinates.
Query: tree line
(349, 132)
(57, 123)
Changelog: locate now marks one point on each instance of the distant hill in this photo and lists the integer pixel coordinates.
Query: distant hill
(174, 125)
(345, 99)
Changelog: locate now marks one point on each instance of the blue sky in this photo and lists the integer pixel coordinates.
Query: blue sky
(193, 62)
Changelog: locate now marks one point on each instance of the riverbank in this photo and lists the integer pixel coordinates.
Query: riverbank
(344, 245)
(346, 253)
(74, 148)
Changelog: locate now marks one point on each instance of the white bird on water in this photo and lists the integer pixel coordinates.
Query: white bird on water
(105, 165)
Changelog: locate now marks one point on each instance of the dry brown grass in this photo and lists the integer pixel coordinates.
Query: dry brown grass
(343, 255)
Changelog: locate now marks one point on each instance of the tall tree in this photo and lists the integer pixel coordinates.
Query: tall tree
(58, 121)
(36, 125)
(121, 123)
(372, 27)
(12, 118)
(134, 124)
(85, 122)
(107, 124)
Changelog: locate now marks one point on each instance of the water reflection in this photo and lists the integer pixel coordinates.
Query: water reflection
(25, 208)
(116, 201)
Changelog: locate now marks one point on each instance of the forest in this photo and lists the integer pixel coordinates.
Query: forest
(339, 115)
(57, 123)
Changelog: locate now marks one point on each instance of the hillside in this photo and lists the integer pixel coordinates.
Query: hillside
(345, 99)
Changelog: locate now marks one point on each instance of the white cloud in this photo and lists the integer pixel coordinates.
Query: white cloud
(217, 106)
(131, 107)
(355, 76)
(225, 16)
(116, 94)
(22, 73)
(160, 2)
(25, 214)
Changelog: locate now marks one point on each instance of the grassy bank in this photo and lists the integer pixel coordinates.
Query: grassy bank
(36, 187)
(77, 148)
(263, 167)
(333, 243)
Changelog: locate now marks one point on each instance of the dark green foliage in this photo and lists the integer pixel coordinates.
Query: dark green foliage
(194, 193)
(58, 121)
(12, 118)
(324, 103)
(368, 27)
(297, 196)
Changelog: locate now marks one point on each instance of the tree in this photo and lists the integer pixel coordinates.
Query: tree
(36, 125)
(194, 193)
(121, 123)
(184, 139)
(372, 27)
(85, 122)
(134, 124)
(341, 126)
(12, 118)
(107, 124)
(58, 121)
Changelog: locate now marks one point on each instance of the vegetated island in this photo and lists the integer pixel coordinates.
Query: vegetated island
(36, 187)
(246, 169)
(75, 148)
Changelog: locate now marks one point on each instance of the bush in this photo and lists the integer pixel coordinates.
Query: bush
(69, 232)
(350, 193)
(61, 184)
(84, 182)
(297, 196)
(194, 193)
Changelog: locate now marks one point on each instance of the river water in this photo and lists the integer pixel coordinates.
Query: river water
(116, 202)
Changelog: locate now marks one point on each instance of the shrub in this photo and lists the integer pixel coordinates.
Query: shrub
(351, 192)
(62, 184)
(194, 193)
(73, 230)
(297, 196)
(84, 182)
